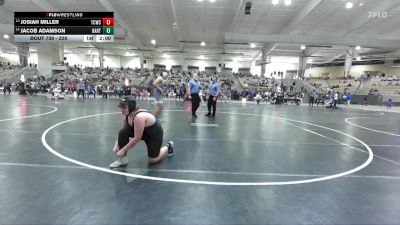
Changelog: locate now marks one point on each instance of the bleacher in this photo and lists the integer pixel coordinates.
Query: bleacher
(113, 80)
(254, 82)
(340, 85)
(385, 85)
(14, 75)
(7, 71)
(343, 85)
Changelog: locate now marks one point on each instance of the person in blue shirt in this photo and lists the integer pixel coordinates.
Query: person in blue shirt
(251, 94)
(312, 98)
(349, 98)
(389, 104)
(195, 87)
(81, 89)
(229, 95)
(213, 91)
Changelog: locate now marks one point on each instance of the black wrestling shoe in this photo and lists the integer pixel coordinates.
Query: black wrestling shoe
(170, 146)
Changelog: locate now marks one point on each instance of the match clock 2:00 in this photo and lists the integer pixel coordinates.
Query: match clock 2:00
(105, 38)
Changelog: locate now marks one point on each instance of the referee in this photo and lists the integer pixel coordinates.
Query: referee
(194, 87)
(213, 91)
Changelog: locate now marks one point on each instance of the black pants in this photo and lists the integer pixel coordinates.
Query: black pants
(81, 91)
(123, 136)
(88, 95)
(153, 139)
(212, 103)
(311, 101)
(195, 103)
(334, 103)
(6, 89)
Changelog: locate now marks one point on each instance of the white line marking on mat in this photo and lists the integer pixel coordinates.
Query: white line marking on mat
(41, 114)
(197, 171)
(204, 125)
(41, 165)
(329, 177)
(358, 149)
(347, 120)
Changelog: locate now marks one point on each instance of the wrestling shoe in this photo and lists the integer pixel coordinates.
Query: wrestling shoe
(170, 146)
(119, 162)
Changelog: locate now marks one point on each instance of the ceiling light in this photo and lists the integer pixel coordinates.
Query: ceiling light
(153, 42)
(203, 43)
(303, 47)
(166, 56)
(288, 2)
(252, 45)
(212, 1)
(199, 0)
(349, 5)
(358, 47)
(361, 4)
(275, 2)
(237, 59)
(358, 58)
(6, 36)
(202, 57)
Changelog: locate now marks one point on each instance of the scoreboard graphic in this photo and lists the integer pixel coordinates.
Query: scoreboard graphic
(64, 26)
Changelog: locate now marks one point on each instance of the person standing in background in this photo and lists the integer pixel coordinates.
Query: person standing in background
(158, 91)
(81, 89)
(335, 100)
(316, 96)
(229, 95)
(7, 88)
(311, 100)
(194, 88)
(213, 92)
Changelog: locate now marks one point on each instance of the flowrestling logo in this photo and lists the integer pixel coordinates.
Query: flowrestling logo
(377, 15)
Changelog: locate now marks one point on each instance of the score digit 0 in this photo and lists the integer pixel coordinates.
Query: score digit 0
(108, 30)
(108, 22)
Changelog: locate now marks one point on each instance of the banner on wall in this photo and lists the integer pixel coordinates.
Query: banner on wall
(22, 50)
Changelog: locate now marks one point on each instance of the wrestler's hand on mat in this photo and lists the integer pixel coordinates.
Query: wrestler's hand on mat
(121, 153)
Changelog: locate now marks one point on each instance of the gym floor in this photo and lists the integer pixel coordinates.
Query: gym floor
(252, 164)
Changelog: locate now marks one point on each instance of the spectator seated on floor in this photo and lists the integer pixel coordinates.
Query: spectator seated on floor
(258, 98)
(292, 98)
(91, 91)
(57, 94)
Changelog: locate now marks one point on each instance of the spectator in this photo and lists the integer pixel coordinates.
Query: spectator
(389, 104)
